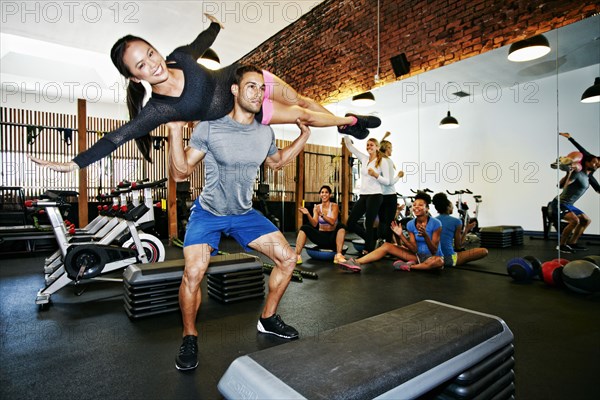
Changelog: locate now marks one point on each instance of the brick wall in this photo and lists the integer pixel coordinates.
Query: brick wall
(331, 53)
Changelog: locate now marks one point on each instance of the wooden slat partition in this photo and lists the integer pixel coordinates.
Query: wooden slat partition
(322, 167)
(17, 169)
(322, 163)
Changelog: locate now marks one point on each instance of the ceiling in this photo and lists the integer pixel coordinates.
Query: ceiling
(62, 46)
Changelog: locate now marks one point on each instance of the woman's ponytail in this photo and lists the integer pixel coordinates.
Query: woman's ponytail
(135, 90)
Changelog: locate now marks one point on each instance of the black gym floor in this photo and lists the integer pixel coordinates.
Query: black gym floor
(86, 347)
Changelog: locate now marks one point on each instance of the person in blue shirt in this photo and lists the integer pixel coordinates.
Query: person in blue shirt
(421, 250)
(453, 236)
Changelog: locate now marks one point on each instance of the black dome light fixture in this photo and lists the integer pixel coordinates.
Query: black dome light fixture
(449, 122)
(529, 49)
(592, 94)
(364, 99)
(210, 60)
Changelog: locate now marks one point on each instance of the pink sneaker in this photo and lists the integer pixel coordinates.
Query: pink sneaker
(400, 265)
(350, 265)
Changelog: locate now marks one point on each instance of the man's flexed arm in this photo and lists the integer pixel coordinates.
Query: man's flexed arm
(289, 153)
(182, 161)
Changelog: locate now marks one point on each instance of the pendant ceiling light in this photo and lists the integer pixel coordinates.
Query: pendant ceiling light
(529, 49)
(449, 122)
(210, 60)
(364, 99)
(592, 94)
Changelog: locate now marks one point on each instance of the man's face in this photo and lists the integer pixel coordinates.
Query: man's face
(250, 92)
(592, 164)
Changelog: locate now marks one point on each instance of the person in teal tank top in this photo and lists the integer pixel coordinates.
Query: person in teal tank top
(453, 237)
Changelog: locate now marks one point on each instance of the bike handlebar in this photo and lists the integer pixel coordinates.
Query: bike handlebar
(158, 183)
(426, 190)
(46, 203)
(457, 192)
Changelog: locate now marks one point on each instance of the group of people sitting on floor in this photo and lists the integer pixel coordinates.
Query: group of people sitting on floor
(428, 243)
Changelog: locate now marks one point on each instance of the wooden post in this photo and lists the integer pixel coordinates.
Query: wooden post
(81, 147)
(299, 187)
(172, 209)
(346, 171)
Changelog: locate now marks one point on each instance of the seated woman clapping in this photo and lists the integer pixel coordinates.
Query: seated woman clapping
(421, 250)
(323, 228)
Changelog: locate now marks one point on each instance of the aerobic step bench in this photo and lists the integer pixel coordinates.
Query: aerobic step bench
(151, 289)
(428, 350)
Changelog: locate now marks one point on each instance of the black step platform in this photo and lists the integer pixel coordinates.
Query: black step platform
(428, 349)
(151, 289)
(501, 236)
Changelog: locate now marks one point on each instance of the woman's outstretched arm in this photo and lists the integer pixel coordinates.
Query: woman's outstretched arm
(204, 40)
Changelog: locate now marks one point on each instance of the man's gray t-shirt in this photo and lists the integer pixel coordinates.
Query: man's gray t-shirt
(234, 152)
(580, 183)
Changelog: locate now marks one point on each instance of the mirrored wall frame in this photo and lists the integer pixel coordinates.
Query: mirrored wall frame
(510, 115)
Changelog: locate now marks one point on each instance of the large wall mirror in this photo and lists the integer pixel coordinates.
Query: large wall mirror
(509, 115)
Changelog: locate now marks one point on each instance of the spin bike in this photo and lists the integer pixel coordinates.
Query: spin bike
(107, 220)
(83, 260)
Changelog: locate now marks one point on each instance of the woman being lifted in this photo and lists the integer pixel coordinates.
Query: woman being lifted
(183, 90)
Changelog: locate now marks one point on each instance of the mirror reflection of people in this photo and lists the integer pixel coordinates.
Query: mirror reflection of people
(323, 228)
(574, 185)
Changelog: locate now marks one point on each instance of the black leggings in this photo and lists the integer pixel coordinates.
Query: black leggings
(323, 239)
(367, 205)
(387, 212)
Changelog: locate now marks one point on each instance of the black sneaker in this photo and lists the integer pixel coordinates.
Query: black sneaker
(565, 248)
(368, 121)
(360, 130)
(274, 325)
(188, 354)
(577, 247)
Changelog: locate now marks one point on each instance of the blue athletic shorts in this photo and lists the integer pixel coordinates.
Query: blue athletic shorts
(564, 209)
(205, 228)
(450, 260)
(567, 208)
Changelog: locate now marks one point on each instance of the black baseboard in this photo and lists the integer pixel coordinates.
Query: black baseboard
(554, 236)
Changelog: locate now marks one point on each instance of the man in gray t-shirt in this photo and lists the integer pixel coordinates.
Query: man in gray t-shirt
(233, 148)
(231, 162)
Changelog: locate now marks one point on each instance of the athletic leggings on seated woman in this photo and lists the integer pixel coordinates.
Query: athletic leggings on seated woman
(323, 239)
(367, 205)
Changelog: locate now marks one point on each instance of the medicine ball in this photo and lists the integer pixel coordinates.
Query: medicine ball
(593, 259)
(562, 261)
(535, 264)
(582, 276)
(552, 272)
(359, 245)
(523, 269)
